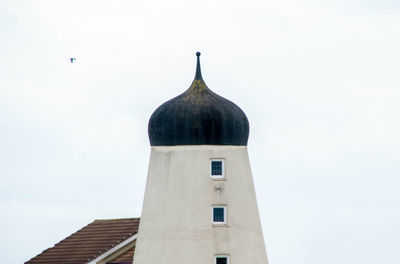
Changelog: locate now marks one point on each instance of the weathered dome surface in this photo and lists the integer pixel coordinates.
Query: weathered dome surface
(198, 117)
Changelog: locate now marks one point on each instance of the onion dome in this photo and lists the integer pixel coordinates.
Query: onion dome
(198, 117)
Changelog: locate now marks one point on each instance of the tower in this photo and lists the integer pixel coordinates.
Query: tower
(200, 205)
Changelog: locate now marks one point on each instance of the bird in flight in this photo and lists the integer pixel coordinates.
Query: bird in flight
(72, 60)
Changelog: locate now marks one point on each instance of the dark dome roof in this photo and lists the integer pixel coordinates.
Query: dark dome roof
(198, 117)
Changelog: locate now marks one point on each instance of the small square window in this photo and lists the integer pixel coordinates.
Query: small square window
(221, 259)
(219, 214)
(217, 168)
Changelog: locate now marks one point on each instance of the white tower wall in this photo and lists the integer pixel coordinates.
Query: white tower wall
(176, 223)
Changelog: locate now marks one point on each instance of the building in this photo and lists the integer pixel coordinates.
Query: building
(200, 204)
(100, 242)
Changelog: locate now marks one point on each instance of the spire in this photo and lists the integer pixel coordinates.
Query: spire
(198, 69)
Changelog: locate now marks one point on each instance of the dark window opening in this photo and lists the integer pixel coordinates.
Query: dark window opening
(219, 214)
(221, 260)
(216, 168)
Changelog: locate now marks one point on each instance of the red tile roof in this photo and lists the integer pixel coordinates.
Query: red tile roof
(89, 242)
(126, 257)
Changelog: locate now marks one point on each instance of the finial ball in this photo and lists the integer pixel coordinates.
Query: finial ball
(198, 53)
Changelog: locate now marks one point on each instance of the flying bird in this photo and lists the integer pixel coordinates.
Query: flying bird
(72, 60)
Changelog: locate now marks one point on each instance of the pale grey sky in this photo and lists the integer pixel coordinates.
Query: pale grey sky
(318, 80)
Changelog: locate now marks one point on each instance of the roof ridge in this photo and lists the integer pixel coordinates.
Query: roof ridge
(114, 219)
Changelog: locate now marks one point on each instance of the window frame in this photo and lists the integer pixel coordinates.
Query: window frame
(222, 176)
(228, 261)
(223, 206)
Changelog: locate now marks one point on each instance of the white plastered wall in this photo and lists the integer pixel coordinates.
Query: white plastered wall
(176, 223)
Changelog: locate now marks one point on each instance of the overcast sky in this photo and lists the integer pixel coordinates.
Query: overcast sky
(318, 80)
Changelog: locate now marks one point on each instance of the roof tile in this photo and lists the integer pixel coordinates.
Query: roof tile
(89, 242)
